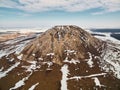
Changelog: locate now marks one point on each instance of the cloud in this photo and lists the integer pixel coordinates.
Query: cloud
(63, 5)
(8, 4)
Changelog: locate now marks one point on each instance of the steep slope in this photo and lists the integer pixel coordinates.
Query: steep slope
(62, 58)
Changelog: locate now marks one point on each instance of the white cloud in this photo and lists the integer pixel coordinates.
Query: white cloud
(64, 5)
(8, 4)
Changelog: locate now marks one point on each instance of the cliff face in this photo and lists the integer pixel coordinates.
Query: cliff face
(60, 40)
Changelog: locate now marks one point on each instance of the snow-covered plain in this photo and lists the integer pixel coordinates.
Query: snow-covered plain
(106, 36)
(23, 30)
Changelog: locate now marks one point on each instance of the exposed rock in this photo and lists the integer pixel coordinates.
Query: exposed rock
(61, 40)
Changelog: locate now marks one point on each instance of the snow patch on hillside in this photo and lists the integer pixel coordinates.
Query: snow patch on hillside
(33, 86)
(21, 82)
(33, 66)
(3, 74)
(111, 60)
(97, 82)
(89, 76)
(65, 73)
(89, 61)
(15, 48)
(71, 61)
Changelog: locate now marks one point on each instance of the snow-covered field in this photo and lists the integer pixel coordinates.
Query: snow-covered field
(105, 36)
(23, 30)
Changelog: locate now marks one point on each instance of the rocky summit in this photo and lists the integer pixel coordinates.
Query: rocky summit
(60, 42)
(65, 57)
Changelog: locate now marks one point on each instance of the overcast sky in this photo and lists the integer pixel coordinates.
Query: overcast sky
(36, 13)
